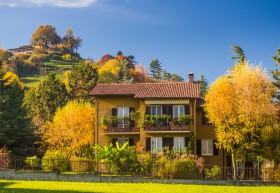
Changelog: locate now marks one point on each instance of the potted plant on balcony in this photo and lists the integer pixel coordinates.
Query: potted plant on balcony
(114, 121)
(184, 122)
(132, 119)
(181, 123)
(164, 119)
(104, 124)
(149, 122)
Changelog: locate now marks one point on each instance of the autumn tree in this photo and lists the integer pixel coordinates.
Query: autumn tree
(15, 126)
(45, 36)
(155, 68)
(109, 73)
(176, 78)
(82, 79)
(239, 53)
(72, 128)
(240, 106)
(70, 41)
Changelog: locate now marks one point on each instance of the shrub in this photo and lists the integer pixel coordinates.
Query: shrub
(66, 57)
(270, 172)
(165, 167)
(81, 164)
(185, 169)
(55, 161)
(213, 173)
(145, 163)
(32, 162)
(5, 158)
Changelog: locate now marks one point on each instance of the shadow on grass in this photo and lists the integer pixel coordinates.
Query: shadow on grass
(16, 190)
(4, 188)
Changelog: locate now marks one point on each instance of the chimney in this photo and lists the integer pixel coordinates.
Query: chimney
(191, 77)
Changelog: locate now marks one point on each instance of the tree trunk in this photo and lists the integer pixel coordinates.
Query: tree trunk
(243, 168)
(233, 165)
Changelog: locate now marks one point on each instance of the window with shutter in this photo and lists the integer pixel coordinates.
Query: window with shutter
(179, 143)
(178, 110)
(156, 144)
(167, 142)
(207, 147)
(122, 141)
(123, 114)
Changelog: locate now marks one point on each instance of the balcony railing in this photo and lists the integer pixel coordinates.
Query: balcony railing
(121, 129)
(169, 127)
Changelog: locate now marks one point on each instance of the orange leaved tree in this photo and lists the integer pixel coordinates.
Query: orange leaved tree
(240, 106)
(72, 129)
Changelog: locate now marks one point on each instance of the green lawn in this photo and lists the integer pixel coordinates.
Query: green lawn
(13, 186)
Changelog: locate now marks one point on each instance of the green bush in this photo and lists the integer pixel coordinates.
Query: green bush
(185, 169)
(32, 162)
(145, 163)
(213, 173)
(165, 167)
(55, 161)
(80, 164)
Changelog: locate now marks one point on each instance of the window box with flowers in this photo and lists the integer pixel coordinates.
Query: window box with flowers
(182, 123)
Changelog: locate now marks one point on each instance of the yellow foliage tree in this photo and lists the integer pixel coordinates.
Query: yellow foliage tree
(109, 73)
(72, 129)
(240, 105)
(10, 77)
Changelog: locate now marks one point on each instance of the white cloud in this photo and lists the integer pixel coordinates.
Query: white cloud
(42, 3)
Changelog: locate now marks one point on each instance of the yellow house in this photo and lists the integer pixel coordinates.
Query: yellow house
(162, 111)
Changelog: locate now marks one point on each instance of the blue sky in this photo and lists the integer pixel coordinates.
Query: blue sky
(184, 35)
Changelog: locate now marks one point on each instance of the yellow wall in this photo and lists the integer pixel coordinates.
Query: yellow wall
(104, 107)
(208, 132)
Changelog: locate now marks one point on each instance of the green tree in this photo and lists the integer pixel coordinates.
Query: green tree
(15, 128)
(203, 85)
(42, 102)
(276, 73)
(155, 68)
(239, 53)
(45, 36)
(240, 106)
(119, 53)
(82, 79)
(166, 76)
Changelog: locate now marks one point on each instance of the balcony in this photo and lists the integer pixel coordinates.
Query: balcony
(166, 124)
(121, 131)
(168, 129)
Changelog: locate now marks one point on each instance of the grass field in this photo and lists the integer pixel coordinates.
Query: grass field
(9, 186)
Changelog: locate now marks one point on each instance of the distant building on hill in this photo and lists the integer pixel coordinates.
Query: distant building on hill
(22, 49)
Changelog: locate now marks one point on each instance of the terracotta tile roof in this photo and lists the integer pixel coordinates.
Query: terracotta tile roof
(149, 90)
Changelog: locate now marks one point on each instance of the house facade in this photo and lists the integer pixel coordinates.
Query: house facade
(157, 116)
